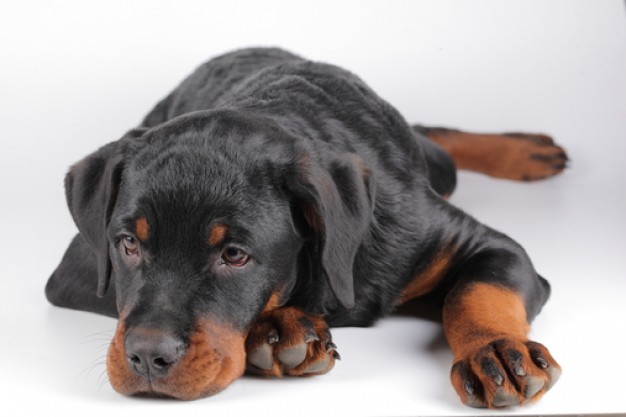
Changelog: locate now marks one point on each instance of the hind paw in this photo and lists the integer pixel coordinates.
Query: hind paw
(528, 157)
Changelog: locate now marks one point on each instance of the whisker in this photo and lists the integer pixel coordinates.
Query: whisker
(103, 380)
(97, 362)
(101, 339)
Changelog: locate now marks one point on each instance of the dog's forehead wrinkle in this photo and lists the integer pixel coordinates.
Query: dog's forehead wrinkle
(185, 183)
(203, 181)
(190, 171)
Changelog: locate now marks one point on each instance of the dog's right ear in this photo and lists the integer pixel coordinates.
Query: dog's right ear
(91, 187)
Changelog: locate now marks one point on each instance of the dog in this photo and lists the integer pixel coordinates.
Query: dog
(269, 198)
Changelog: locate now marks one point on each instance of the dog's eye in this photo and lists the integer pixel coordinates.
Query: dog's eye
(131, 247)
(233, 256)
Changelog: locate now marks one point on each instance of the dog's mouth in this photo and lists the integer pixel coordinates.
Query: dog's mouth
(214, 357)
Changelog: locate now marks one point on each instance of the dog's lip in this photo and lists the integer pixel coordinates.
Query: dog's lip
(152, 395)
(161, 388)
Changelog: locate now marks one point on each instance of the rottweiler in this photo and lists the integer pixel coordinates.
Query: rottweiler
(269, 198)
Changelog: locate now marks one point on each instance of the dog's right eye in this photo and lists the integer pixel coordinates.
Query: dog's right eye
(131, 246)
(234, 257)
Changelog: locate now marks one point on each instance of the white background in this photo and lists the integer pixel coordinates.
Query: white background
(77, 74)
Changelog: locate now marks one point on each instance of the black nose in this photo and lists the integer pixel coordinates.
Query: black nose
(152, 352)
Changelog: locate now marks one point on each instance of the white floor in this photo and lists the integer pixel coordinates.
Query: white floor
(75, 75)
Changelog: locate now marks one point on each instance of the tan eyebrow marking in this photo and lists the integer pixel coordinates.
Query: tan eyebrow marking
(142, 229)
(217, 234)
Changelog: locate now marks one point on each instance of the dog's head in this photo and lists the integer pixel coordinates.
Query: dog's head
(199, 223)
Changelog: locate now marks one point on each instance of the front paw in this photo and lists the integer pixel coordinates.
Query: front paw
(287, 341)
(504, 372)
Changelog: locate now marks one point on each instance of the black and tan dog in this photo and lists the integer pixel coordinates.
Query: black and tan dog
(268, 198)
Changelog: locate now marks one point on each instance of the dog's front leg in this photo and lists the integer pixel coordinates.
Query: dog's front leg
(486, 321)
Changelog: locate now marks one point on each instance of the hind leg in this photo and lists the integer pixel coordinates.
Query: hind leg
(441, 167)
(514, 156)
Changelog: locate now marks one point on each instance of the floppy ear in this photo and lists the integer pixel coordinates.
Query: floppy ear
(91, 190)
(335, 196)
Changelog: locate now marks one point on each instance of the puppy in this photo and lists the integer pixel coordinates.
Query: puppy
(268, 198)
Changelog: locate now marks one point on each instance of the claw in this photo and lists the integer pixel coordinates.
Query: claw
(272, 337)
(498, 379)
(490, 368)
(331, 347)
(541, 362)
(469, 388)
(311, 337)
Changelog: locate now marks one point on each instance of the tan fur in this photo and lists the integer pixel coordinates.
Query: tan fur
(427, 279)
(482, 313)
(217, 234)
(142, 229)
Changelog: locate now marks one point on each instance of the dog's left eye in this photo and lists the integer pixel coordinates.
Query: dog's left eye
(131, 247)
(233, 256)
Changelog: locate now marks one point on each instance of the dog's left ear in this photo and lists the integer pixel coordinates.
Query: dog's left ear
(91, 190)
(334, 193)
